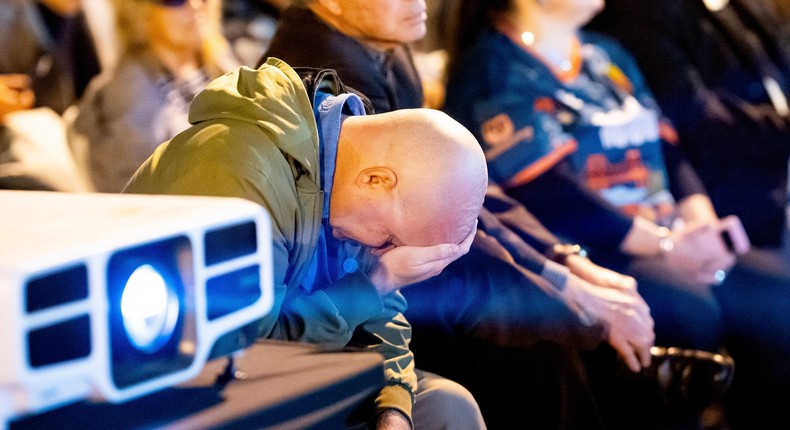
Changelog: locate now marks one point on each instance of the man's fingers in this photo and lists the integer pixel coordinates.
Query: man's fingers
(642, 311)
(628, 354)
(645, 355)
(644, 320)
(433, 254)
(599, 275)
(635, 353)
(623, 282)
(445, 251)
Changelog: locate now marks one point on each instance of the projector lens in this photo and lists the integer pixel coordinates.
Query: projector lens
(149, 309)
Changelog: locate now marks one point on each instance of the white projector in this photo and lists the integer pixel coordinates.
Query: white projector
(111, 297)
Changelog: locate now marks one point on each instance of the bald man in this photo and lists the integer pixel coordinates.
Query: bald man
(361, 206)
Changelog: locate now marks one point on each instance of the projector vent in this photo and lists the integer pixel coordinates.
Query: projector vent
(64, 341)
(232, 291)
(230, 242)
(57, 288)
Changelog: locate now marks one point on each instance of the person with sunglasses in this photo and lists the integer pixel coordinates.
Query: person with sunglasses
(170, 50)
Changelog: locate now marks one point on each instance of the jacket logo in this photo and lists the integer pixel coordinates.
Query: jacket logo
(500, 134)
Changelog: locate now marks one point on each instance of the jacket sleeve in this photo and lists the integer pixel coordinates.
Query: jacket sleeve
(573, 212)
(350, 313)
(521, 225)
(389, 333)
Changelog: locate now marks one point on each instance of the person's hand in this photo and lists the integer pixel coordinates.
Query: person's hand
(392, 420)
(700, 254)
(406, 265)
(623, 311)
(600, 276)
(15, 93)
(695, 251)
(697, 209)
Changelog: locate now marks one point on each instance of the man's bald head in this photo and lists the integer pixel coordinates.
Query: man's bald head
(418, 171)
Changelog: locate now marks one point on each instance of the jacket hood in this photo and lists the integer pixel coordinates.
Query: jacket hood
(271, 97)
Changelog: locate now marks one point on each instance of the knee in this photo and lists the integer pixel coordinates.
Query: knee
(445, 404)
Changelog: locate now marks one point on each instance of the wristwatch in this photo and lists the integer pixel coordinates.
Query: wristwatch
(559, 252)
(665, 242)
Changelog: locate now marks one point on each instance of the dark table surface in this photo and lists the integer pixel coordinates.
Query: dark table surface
(278, 385)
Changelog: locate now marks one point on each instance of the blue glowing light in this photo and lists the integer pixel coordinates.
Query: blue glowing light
(149, 309)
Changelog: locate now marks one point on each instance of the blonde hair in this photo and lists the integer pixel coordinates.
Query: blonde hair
(131, 20)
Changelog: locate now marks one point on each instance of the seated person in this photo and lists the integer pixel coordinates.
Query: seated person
(52, 45)
(43, 71)
(361, 206)
(720, 71)
(170, 51)
(571, 131)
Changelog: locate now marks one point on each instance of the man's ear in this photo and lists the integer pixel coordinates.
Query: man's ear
(333, 6)
(381, 177)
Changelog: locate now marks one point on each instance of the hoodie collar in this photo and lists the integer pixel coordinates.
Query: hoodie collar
(330, 112)
(272, 97)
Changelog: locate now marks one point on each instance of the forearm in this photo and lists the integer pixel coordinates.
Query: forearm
(511, 240)
(683, 178)
(573, 212)
(644, 238)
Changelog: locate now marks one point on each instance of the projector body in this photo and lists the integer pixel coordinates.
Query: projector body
(69, 330)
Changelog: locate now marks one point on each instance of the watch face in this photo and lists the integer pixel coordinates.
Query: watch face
(560, 252)
(716, 5)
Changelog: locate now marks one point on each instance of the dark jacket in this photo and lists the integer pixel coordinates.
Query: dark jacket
(302, 39)
(706, 70)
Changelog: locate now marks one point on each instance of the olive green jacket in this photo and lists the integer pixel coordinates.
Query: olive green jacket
(254, 136)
